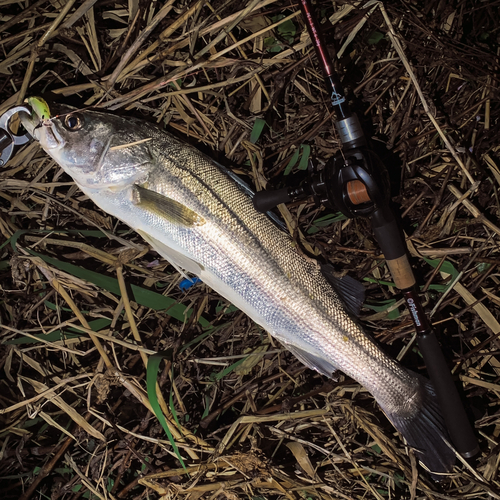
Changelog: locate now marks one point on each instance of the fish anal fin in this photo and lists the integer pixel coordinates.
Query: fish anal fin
(312, 361)
(162, 205)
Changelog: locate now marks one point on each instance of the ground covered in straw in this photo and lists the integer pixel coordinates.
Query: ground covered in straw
(85, 302)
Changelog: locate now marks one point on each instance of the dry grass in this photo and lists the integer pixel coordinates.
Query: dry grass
(76, 419)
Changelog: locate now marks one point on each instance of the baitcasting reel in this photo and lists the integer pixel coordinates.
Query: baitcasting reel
(356, 183)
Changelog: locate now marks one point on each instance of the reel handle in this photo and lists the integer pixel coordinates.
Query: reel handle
(263, 201)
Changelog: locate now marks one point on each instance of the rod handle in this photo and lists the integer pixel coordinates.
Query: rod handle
(389, 238)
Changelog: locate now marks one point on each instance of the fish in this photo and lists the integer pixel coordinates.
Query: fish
(196, 215)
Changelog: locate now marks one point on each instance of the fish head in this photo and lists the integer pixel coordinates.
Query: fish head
(99, 150)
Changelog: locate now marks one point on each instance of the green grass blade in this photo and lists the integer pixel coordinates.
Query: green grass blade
(383, 305)
(151, 377)
(142, 296)
(304, 159)
(292, 162)
(258, 127)
(379, 282)
(446, 267)
(325, 221)
(70, 333)
(227, 370)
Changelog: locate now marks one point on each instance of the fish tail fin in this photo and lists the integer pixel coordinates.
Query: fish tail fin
(425, 431)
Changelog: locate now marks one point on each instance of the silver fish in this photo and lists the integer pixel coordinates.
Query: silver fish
(196, 216)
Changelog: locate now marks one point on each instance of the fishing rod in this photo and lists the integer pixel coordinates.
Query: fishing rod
(356, 183)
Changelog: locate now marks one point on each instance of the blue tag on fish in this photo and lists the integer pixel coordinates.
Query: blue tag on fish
(187, 283)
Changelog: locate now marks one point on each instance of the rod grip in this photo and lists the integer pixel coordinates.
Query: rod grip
(401, 272)
(389, 238)
(460, 430)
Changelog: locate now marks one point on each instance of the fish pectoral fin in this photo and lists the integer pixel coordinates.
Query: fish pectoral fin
(162, 205)
(312, 361)
(177, 259)
(350, 291)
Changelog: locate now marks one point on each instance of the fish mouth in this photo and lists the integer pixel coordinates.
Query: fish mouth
(40, 125)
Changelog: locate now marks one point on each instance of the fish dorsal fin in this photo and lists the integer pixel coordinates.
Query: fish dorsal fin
(162, 205)
(312, 361)
(177, 259)
(351, 292)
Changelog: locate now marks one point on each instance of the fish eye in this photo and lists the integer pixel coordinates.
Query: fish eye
(73, 122)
